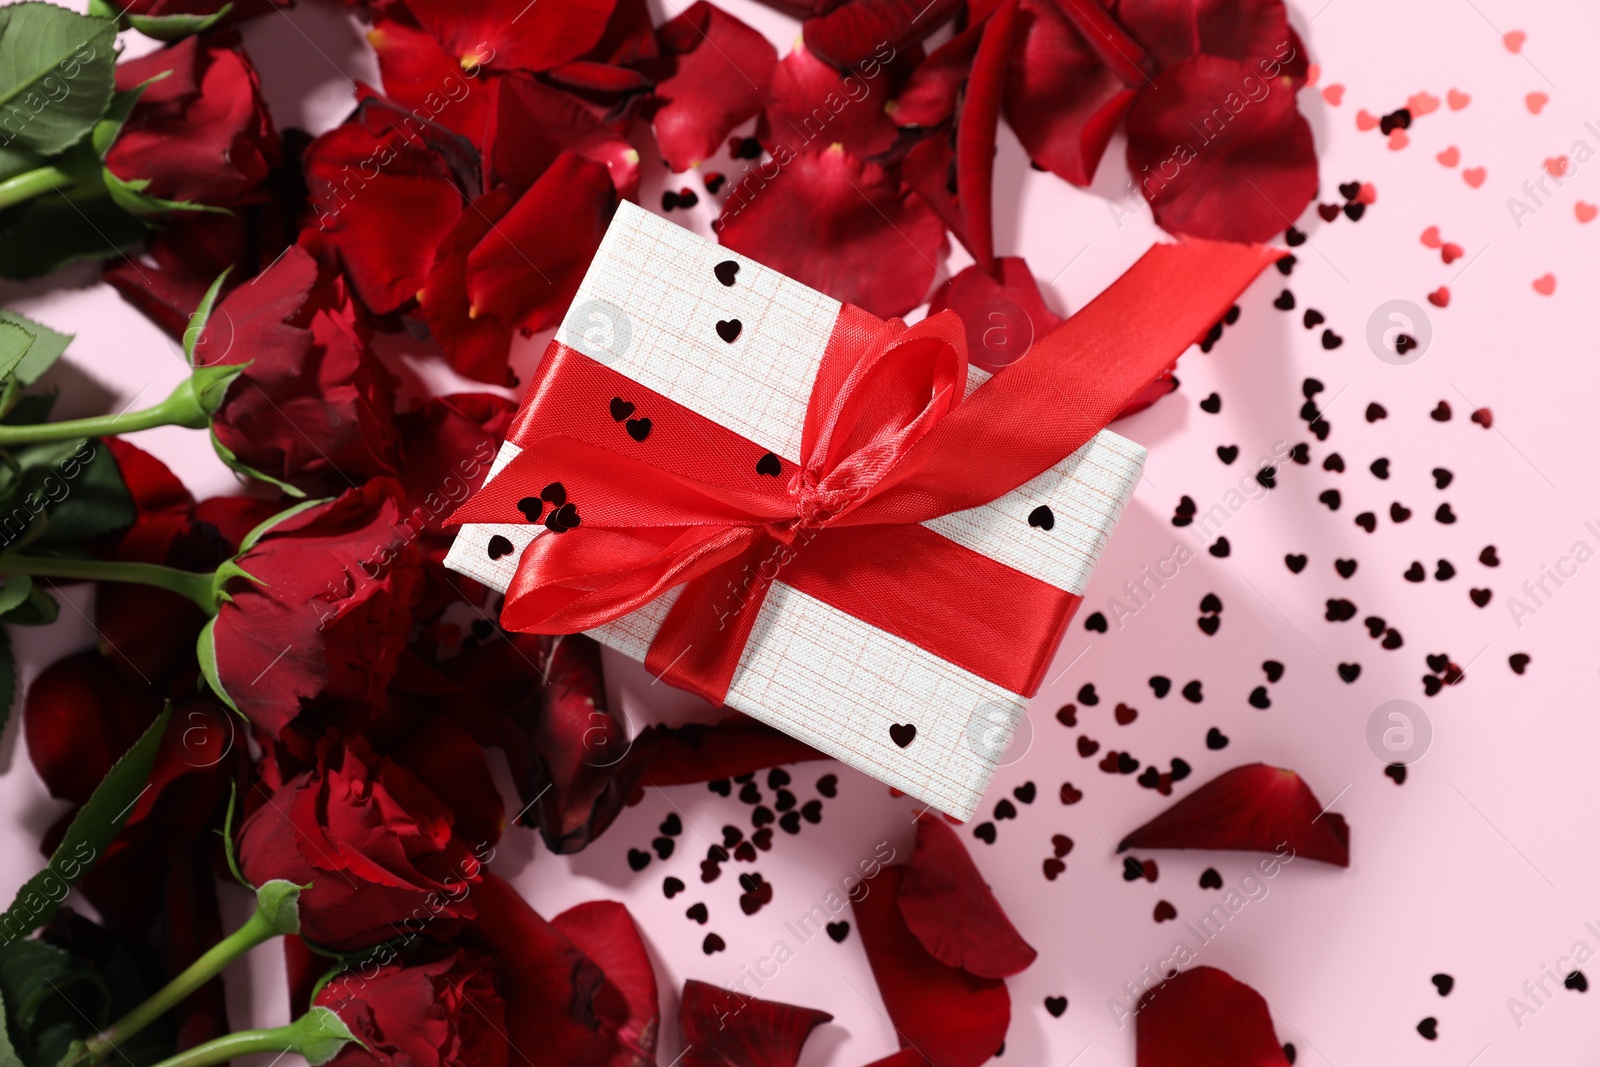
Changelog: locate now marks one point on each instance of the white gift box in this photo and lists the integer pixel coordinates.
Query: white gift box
(647, 309)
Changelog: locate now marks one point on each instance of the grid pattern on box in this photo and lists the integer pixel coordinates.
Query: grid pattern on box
(837, 684)
(660, 276)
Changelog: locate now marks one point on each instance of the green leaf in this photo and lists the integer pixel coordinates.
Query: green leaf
(14, 592)
(91, 831)
(130, 197)
(202, 315)
(278, 901)
(15, 160)
(320, 1034)
(8, 1051)
(175, 27)
(40, 609)
(106, 131)
(81, 488)
(225, 454)
(56, 74)
(206, 652)
(14, 344)
(54, 231)
(47, 347)
(52, 1000)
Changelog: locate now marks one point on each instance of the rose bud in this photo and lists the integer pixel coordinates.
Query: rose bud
(316, 607)
(313, 408)
(375, 849)
(201, 134)
(446, 1013)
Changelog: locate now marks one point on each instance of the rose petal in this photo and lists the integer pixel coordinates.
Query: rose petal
(452, 764)
(556, 1008)
(953, 1017)
(1254, 808)
(976, 124)
(697, 752)
(502, 36)
(714, 73)
(79, 716)
(328, 613)
(840, 225)
(478, 346)
(387, 263)
(202, 134)
(812, 106)
(605, 932)
(419, 74)
(525, 271)
(314, 407)
(722, 1028)
(1203, 1017)
(934, 88)
(1002, 317)
(531, 124)
(1215, 170)
(851, 34)
(1062, 101)
(950, 908)
(572, 755)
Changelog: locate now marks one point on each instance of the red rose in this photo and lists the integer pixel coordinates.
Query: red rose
(442, 1013)
(313, 407)
(324, 613)
(376, 847)
(202, 133)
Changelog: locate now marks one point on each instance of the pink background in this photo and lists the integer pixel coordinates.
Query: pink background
(1480, 865)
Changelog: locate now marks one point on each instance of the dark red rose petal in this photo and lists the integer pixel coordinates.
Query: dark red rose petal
(525, 270)
(722, 1028)
(835, 223)
(812, 106)
(1254, 808)
(1205, 1018)
(452, 764)
(557, 1007)
(572, 754)
(477, 346)
(420, 75)
(976, 124)
(329, 612)
(531, 124)
(512, 35)
(1062, 101)
(203, 133)
(630, 36)
(934, 88)
(950, 908)
(449, 444)
(849, 34)
(360, 183)
(1215, 163)
(697, 752)
(604, 931)
(1002, 317)
(314, 407)
(953, 1017)
(79, 716)
(714, 72)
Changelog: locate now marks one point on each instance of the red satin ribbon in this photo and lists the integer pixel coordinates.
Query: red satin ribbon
(888, 443)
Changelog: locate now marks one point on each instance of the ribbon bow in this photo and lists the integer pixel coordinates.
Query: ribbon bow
(890, 441)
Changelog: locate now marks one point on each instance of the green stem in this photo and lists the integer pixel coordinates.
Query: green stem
(258, 929)
(182, 408)
(32, 183)
(232, 1046)
(196, 587)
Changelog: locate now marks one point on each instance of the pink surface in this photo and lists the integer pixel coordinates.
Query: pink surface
(1478, 866)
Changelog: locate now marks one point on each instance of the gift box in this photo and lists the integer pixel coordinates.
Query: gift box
(916, 671)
